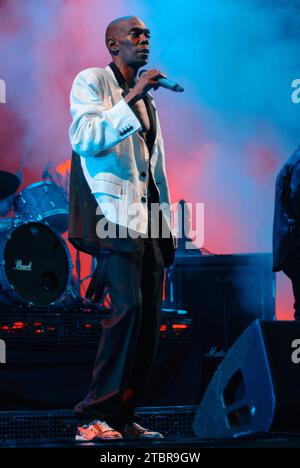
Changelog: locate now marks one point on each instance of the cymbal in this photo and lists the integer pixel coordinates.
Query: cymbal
(9, 184)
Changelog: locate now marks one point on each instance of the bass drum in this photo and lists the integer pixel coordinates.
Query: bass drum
(36, 265)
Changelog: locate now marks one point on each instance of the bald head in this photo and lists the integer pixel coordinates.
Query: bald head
(114, 28)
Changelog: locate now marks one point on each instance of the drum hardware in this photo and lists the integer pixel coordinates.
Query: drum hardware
(56, 181)
(79, 300)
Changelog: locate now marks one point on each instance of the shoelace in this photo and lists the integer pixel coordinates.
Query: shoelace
(103, 426)
(91, 427)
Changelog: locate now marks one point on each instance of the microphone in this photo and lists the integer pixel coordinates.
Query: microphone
(168, 84)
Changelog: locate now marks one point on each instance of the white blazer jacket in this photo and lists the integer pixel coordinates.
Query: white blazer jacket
(105, 133)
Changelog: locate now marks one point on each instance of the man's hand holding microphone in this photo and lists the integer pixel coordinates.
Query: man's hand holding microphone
(150, 79)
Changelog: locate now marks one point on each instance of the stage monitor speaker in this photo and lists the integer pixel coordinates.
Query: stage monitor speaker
(256, 387)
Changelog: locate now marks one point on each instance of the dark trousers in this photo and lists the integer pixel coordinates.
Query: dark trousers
(292, 269)
(130, 335)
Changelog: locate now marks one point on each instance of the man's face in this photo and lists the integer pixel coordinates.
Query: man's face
(134, 42)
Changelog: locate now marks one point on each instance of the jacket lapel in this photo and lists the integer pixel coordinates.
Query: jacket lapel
(152, 117)
(120, 78)
(148, 103)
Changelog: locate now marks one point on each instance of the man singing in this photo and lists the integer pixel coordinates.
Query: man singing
(117, 176)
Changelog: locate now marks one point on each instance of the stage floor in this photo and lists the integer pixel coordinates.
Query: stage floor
(270, 440)
(56, 429)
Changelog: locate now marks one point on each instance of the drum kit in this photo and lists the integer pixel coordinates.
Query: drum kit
(35, 263)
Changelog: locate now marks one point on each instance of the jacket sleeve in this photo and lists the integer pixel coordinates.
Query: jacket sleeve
(95, 126)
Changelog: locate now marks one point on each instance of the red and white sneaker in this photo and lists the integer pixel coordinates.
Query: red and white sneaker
(133, 430)
(97, 430)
